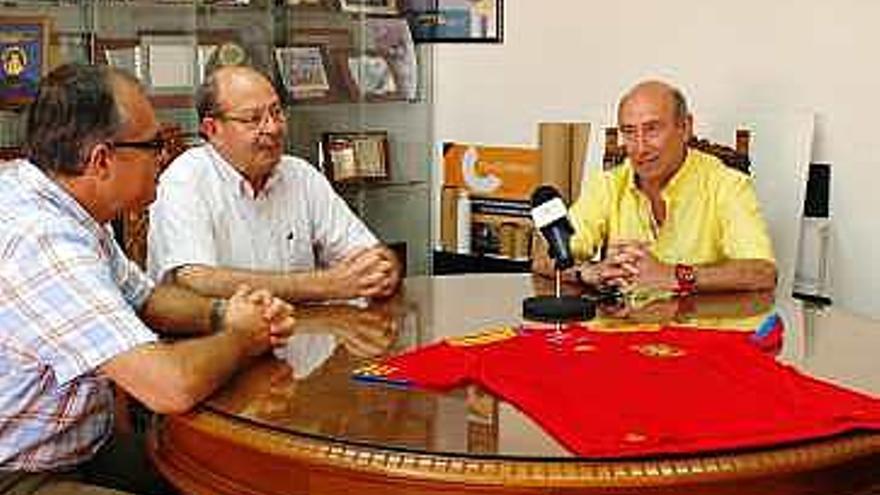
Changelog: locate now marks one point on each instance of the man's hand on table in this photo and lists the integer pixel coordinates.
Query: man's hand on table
(366, 272)
(261, 320)
(630, 264)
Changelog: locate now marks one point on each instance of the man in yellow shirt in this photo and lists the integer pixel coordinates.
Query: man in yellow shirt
(670, 217)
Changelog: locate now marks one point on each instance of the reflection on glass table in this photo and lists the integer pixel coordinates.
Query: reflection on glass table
(302, 422)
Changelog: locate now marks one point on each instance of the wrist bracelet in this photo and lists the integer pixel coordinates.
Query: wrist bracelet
(218, 314)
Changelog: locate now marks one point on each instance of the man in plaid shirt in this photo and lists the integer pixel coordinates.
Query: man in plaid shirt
(75, 314)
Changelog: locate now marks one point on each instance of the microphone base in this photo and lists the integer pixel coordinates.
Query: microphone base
(561, 309)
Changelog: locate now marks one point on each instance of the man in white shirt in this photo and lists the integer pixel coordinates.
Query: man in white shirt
(237, 210)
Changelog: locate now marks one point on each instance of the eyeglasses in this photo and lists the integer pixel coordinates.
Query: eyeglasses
(257, 118)
(156, 145)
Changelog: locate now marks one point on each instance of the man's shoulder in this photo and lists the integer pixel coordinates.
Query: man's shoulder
(23, 210)
(191, 165)
(713, 172)
(296, 167)
(616, 179)
(302, 175)
(40, 229)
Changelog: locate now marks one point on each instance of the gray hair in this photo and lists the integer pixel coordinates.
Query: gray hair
(74, 109)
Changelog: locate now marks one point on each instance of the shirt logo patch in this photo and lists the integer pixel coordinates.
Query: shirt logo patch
(659, 350)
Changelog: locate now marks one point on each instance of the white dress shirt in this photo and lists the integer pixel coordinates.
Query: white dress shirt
(206, 213)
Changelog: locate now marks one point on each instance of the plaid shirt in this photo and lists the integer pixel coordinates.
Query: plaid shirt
(68, 297)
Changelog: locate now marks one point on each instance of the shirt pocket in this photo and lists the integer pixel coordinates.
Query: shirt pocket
(299, 251)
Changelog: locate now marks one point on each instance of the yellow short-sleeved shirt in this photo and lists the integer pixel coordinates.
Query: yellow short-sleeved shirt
(712, 214)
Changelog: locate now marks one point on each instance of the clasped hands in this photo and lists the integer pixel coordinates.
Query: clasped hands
(261, 320)
(366, 272)
(629, 264)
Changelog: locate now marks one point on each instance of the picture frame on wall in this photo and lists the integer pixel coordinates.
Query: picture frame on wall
(356, 156)
(70, 47)
(169, 62)
(456, 21)
(380, 7)
(304, 71)
(24, 58)
(390, 37)
(335, 44)
(371, 77)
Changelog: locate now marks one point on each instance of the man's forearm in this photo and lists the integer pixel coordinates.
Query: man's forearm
(174, 377)
(736, 275)
(222, 282)
(177, 310)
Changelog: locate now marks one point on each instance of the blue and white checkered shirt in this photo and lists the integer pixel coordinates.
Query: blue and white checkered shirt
(68, 297)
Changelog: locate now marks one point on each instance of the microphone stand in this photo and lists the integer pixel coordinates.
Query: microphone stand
(557, 308)
(558, 323)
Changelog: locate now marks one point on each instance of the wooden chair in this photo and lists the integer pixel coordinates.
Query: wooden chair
(736, 157)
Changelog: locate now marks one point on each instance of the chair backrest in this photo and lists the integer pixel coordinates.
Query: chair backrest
(135, 224)
(736, 157)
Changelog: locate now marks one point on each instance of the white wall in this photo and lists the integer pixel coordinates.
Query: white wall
(562, 57)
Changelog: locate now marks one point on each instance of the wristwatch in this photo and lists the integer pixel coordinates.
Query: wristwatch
(217, 315)
(685, 278)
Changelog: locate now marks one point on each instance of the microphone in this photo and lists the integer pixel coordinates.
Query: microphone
(551, 217)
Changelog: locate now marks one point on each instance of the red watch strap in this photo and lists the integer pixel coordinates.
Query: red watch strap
(686, 278)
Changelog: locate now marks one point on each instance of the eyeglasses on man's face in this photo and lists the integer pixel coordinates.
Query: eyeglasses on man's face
(157, 144)
(257, 117)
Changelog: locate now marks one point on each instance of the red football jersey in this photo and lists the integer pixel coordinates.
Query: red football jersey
(677, 390)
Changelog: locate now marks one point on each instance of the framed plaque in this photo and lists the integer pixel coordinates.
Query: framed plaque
(351, 156)
(24, 49)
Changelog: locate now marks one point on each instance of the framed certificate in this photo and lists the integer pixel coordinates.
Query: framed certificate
(351, 156)
(24, 49)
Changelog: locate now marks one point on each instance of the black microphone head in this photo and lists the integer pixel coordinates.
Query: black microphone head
(544, 193)
(550, 216)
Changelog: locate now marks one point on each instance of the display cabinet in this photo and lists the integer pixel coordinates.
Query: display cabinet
(355, 86)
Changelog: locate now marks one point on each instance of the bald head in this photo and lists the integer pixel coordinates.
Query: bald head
(655, 125)
(666, 95)
(224, 84)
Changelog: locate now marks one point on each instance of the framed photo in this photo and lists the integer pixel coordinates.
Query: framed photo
(372, 78)
(169, 62)
(121, 53)
(383, 7)
(334, 44)
(71, 47)
(24, 53)
(390, 37)
(461, 21)
(303, 70)
(353, 156)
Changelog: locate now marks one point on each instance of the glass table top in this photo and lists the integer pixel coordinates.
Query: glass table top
(306, 388)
